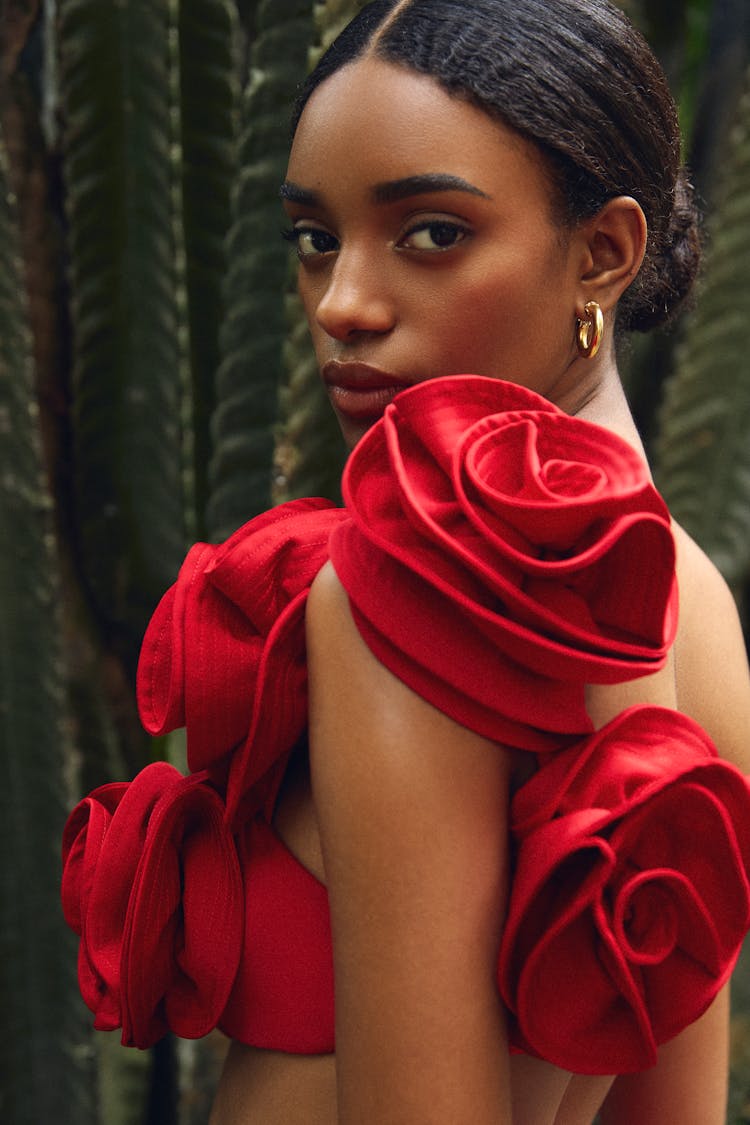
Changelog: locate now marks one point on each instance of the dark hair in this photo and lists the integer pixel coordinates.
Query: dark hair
(577, 79)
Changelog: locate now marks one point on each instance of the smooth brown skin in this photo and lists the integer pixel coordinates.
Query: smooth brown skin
(410, 806)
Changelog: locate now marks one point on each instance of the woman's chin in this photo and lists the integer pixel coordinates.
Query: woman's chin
(354, 429)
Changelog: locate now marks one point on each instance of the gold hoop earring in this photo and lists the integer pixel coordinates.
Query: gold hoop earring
(589, 330)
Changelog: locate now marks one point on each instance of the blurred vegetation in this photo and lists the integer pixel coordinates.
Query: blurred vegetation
(156, 383)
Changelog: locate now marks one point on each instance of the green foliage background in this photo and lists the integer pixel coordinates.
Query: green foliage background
(156, 384)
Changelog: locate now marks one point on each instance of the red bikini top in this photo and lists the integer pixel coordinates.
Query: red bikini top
(498, 556)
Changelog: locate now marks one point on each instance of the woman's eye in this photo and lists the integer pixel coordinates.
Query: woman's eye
(434, 236)
(311, 241)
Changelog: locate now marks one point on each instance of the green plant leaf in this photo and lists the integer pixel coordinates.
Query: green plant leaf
(209, 97)
(310, 452)
(253, 332)
(703, 464)
(115, 93)
(123, 1081)
(331, 17)
(44, 1048)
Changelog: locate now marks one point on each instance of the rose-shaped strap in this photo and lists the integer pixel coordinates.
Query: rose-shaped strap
(152, 884)
(224, 653)
(501, 555)
(630, 895)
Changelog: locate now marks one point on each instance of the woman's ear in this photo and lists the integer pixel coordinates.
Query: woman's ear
(615, 241)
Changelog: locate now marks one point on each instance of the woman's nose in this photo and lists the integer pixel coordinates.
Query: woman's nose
(356, 301)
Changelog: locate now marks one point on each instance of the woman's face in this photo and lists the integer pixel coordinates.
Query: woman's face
(427, 245)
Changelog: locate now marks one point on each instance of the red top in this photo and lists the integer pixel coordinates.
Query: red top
(498, 556)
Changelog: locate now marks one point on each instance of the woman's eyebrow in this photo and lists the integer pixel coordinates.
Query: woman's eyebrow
(293, 193)
(391, 191)
(395, 190)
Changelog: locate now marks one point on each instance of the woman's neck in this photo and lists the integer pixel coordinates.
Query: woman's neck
(606, 404)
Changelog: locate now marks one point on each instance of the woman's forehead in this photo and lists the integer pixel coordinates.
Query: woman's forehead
(376, 121)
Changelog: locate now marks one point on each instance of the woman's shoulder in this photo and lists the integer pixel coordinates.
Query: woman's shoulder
(713, 681)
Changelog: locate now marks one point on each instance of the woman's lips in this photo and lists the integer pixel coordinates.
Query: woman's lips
(360, 403)
(360, 391)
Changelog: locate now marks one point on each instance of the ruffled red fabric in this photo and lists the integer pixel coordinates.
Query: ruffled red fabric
(224, 654)
(498, 556)
(152, 886)
(502, 554)
(630, 894)
(282, 997)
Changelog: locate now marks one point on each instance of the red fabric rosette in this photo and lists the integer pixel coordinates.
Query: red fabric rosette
(224, 653)
(83, 839)
(152, 885)
(630, 895)
(502, 554)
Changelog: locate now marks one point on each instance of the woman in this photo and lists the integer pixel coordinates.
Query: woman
(464, 180)
(489, 187)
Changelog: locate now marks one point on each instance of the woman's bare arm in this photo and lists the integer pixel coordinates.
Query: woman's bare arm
(689, 1082)
(413, 820)
(713, 681)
